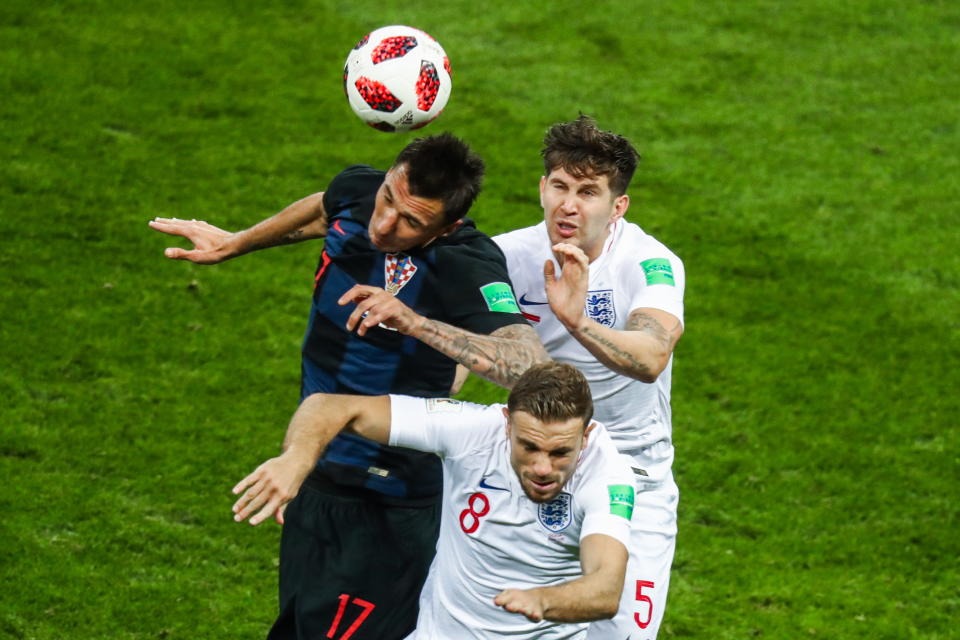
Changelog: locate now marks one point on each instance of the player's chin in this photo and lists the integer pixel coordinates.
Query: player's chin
(542, 492)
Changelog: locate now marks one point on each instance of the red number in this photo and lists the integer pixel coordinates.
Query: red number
(344, 599)
(473, 513)
(644, 598)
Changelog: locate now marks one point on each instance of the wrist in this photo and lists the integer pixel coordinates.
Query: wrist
(576, 324)
(417, 326)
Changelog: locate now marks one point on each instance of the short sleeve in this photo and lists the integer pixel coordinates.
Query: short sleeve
(661, 283)
(608, 496)
(443, 426)
(349, 188)
(479, 295)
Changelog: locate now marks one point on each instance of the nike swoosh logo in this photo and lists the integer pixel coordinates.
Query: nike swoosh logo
(484, 485)
(527, 303)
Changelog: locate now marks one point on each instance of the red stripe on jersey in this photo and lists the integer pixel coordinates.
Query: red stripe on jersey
(323, 267)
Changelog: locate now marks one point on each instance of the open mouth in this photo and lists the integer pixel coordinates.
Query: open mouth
(566, 230)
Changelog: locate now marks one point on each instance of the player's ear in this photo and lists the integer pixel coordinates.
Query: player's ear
(620, 206)
(586, 434)
(506, 415)
(543, 185)
(450, 228)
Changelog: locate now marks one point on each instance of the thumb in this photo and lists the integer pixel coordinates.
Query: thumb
(175, 253)
(549, 270)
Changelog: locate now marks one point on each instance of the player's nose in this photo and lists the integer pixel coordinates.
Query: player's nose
(568, 205)
(387, 221)
(541, 466)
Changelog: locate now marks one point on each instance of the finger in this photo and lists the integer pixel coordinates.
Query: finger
(357, 292)
(258, 498)
(246, 482)
(176, 253)
(168, 225)
(268, 510)
(252, 490)
(280, 512)
(549, 271)
(357, 316)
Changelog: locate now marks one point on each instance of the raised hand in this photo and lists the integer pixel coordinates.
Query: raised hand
(567, 293)
(211, 244)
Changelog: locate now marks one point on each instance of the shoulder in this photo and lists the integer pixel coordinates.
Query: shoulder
(353, 183)
(634, 242)
(639, 257)
(468, 245)
(601, 462)
(524, 242)
(520, 236)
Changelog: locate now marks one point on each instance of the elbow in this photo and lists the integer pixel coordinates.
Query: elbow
(608, 608)
(649, 374)
(652, 369)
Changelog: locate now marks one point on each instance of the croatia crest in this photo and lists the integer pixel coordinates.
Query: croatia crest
(398, 269)
(599, 307)
(555, 515)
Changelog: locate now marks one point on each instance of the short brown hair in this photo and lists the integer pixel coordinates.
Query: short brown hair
(552, 392)
(443, 167)
(582, 149)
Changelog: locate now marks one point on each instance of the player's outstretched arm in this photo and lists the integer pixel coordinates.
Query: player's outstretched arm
(302, 220)
(317, 420)
(594, 596)
(642, 350)
(501, 357)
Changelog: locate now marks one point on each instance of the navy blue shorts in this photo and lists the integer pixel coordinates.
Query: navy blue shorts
(352, 568)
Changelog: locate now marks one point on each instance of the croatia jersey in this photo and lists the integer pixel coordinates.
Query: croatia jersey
(459, 279)
(634, 270)
(492, 536)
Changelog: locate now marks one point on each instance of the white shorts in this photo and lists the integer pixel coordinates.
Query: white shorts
(653, 537)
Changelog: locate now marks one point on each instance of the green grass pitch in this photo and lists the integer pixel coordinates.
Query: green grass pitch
(800, 156)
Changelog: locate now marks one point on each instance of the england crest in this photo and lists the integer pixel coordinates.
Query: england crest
(398, 269)
(555, 515)
(600, 308)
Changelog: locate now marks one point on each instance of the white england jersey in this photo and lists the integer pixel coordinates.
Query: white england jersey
(492, 537)
(635, 270)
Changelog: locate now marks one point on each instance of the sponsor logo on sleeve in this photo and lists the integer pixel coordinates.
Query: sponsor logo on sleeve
(556, 514)
(499, 297)
(599, 307)
(621, 500)
(658, 271)
(444, 405)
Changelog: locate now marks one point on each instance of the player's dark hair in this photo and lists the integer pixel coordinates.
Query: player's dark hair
(552, 392)
(443, 167)
(582, 149)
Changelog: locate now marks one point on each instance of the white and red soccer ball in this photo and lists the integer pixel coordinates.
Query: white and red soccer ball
(397, 78)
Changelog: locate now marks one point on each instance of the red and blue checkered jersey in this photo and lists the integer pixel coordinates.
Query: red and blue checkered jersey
(450, 280)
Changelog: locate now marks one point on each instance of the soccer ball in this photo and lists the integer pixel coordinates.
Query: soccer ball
(397, 78)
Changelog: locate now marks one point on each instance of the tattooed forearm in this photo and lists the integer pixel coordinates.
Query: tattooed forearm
(500, 357)
(615, 357)
(294, 236)
(640, 321)
(640, 351)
